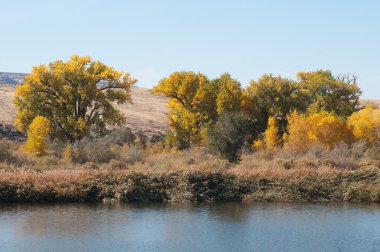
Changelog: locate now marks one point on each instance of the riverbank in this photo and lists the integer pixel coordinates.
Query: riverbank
(299, 184)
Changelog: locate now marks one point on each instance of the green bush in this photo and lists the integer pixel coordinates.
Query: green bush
(228, 136)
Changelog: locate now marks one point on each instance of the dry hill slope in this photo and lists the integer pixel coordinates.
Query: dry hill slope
(146, 114)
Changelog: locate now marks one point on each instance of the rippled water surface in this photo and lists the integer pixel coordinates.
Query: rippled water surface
(186, 227)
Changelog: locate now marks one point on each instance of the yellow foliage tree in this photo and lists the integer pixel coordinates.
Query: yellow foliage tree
(328, 129)
(37, 132)
(183, 122)
(271, 138)
(229, 97)
(270, 141)
(297, 138)
(190, 105)
(258, 145)
(195, 103)
(321, 128)
(77, 96)
(365, 124)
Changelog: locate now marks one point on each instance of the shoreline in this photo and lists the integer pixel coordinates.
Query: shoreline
(297, 185)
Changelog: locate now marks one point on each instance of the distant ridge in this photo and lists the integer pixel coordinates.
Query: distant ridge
(11, 78)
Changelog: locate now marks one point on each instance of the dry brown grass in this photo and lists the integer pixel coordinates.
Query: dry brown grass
(7, 109)
(115, 167)
(193, 184)
(191, 175)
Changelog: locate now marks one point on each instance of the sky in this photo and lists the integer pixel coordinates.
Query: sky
(152, 39)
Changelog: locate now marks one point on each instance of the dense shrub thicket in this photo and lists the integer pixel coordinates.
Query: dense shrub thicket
(193, 186)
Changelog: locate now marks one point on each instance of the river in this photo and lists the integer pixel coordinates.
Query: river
(190, 227)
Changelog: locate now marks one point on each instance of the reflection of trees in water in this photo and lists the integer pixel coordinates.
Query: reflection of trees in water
(77, 219)
(66, 219)
(150, 221)
(167, 221)
(230, 211)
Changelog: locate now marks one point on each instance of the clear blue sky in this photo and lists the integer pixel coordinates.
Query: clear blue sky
(151, 39)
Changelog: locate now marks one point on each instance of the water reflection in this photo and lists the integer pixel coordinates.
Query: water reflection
(190, 227)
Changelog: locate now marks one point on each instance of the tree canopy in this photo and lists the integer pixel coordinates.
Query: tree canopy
(365, 124)
(76, 97)
(195, 102)
(326, 92)
(189, 104)
(275, 97)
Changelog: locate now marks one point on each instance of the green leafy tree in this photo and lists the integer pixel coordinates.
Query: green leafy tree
(229, 134)
(76, 97)
(274, 97)
(325, 92)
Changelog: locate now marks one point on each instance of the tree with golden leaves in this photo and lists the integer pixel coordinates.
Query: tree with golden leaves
(37, 133)
(190, 104)
(76, 97)
(297, 137)
(195, 103)
(322, 128)
(229, 96)
(365, 124)
(328, 129)
(271, 139)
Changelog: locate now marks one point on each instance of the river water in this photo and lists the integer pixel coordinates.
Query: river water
(188, 227)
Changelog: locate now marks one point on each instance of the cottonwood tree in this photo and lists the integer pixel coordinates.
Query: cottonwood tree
(187, 110)
(273, 96)
(326, 92)
(195, 103)
(229, 95)
(365, 124)
(322, 128)
(297, 139)
(76, 97)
